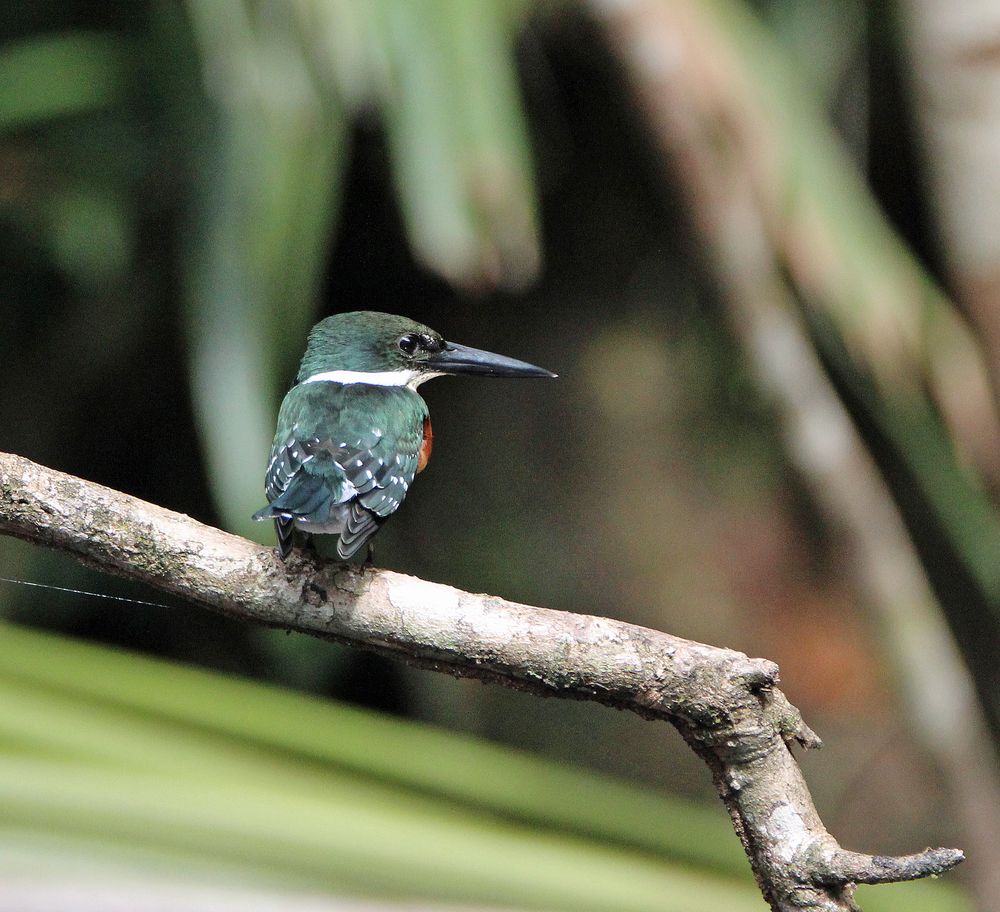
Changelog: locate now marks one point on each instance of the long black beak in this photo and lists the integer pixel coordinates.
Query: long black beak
(460, 359)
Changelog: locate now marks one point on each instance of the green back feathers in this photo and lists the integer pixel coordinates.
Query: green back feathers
(326, 410)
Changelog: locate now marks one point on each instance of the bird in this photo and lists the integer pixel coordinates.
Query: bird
(353, 432)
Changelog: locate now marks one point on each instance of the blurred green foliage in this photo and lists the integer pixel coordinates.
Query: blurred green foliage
(281, 82)
(124, 749)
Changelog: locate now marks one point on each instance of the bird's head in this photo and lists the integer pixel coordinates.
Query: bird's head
(396, 351)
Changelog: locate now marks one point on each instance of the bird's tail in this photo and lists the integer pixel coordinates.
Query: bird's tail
(284, 527)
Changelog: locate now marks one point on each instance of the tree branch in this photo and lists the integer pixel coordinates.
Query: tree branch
(724, 704)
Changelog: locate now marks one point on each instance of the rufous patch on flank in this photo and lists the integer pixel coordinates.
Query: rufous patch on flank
(426, 446)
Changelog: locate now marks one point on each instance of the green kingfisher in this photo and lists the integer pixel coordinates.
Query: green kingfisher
(353, 431)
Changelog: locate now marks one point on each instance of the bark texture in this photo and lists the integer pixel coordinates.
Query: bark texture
(725, 704)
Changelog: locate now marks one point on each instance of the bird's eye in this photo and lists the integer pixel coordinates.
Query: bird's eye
(408, 344)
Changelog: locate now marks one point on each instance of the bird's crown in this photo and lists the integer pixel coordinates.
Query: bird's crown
(367, 341)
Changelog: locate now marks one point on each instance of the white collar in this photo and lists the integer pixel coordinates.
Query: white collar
(404, 377)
